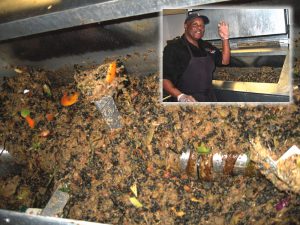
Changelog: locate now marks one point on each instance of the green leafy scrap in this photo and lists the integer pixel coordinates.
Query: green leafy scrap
(25, 113)
(203, 150)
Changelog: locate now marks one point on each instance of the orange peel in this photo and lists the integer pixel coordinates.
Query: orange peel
(67, 100)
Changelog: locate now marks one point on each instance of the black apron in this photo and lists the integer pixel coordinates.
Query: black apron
(197, 78)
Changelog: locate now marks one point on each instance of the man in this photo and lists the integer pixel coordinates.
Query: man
(189, 61)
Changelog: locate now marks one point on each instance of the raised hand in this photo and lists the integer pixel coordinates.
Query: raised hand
(223, 30)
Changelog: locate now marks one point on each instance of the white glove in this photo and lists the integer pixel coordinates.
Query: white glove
(223, 30)
(185, 98)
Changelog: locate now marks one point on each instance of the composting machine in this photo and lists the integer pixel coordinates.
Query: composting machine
(259, 70)
(56, 35)
(60, 36)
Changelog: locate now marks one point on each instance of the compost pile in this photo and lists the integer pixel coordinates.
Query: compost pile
(263, 74)
(122, 176)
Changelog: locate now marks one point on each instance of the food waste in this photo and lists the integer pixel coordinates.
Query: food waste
(124, 175)
(265, 74)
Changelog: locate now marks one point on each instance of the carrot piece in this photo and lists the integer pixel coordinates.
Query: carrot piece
(30, 121)
(111, 72)
(69, 100)
(49, 117)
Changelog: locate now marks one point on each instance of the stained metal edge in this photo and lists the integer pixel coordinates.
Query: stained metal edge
(218, 163)
(241, 164)
(11, 217)
(283, 86)
(8, 165)
(259, 51)
(184, 158)
(284, 83)
(109, 10)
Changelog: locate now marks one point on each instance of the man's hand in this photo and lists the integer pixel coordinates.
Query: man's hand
(185, 98)
(223, 30)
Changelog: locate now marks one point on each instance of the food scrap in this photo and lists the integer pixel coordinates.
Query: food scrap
(47, 90)
(18, 70)
(202, 149)
(135, 202)
(111, 72)
(178, 213)
(49, 117)
(282, 203)
(30, 121)
(67, 100)
(45, 133)
(25, 113)
(133, 188)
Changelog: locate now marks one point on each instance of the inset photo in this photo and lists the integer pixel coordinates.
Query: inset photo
(226, 55)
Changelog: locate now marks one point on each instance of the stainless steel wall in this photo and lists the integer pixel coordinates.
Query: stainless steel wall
(242, 22)
(245, 22)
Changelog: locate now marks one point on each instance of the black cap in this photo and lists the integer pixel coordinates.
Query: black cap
(196, 15)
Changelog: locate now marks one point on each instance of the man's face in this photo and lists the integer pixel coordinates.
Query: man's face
(195, 28)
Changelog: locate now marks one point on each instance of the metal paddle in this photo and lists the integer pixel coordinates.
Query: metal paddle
(294, 150)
